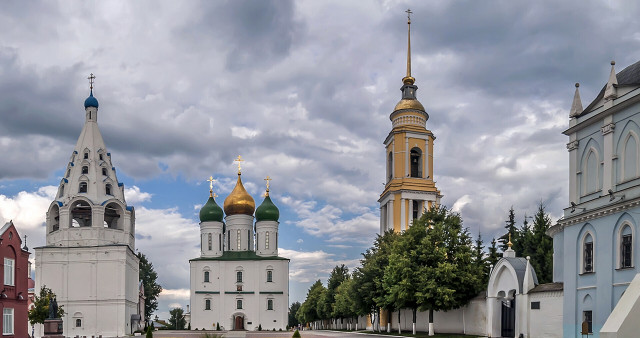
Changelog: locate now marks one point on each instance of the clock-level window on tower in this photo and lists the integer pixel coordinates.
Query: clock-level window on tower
(416, 162)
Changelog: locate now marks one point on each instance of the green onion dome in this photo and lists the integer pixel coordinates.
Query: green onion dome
(211, 211)
(267, 211)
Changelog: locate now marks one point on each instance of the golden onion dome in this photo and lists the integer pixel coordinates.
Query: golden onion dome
(239, 202)
(409, 104)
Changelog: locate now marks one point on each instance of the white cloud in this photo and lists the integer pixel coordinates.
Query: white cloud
(307, 266)
(133, 195)
(28, 210)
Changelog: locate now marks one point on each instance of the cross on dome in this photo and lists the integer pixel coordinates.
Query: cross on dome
(91, 78)
(239, 160)
(211, 180)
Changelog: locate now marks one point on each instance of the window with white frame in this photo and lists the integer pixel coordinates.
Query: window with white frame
(238, 303)
(207, 304)
(269, 304)
(238, 276)
(9, 272)
(587, 254)
(626, 247)
(269, 275)
(206, 276)
(7, 321)
(78, 322)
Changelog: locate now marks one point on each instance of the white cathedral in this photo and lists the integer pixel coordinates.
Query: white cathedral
(236, 283)
(89, 260)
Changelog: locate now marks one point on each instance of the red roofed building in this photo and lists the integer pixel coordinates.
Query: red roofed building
(14, 276)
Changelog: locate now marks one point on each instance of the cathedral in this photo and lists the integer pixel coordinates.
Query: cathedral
(89, 259)
(239, 282)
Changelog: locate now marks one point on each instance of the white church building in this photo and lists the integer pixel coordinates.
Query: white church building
(239, 282)
(89, 260)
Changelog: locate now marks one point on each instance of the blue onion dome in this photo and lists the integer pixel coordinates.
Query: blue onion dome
(91, 101)
(211, 211)
(267, 211)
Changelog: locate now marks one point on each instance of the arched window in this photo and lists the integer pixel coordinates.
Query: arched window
(266, 240)
(85, 169)
(238, 276)
(269, 275)
(269, 304)
(591, 176)
(626, 247)
(78, 322)
(113, 216)
(630, 159)
(210, 243)
(207, 304)
(206, 276)
(86, 155)
(104, 171)
(587, 254)
(100, 156)
(416, 162)
(82, 187)
(416, 209)
(107, 189)
(390, 167)
(238, 303)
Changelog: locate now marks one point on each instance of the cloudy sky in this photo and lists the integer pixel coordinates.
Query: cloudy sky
(303, 91)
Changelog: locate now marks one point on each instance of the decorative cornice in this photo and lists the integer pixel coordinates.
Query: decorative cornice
(573, 145)
(589, 215)
(608, 128)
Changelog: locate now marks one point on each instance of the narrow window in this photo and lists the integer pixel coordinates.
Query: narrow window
(68, 173)
(86, 156)
(83, 187)
(248, 239)
(416, 161)
(269, 304)
(390, 167)
(239, 304)
(85, 169)
(229, 239)
(266, 240)
(269, 276)
(588, 254)
(210, 245)
(104, 171)
(107, 189)
(588, 318)
(206, 276)
(9, 273)
(78, 322)
(238, 239)
(7, 321)
(220, 242)
(238, 276)
(61, 191)
(416, 209)
(207, 304)
(257, 241)
(626, 248)
(100, 157)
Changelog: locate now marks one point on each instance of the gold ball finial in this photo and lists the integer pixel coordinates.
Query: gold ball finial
(509, 244)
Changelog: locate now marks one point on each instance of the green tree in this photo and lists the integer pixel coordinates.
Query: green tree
(337, 276)
(510, 226)
(526, 245)
(444, 273)
(344, 306)
(479, 259)
(293, 310)
(152, 289)
(149, 332)
(40, 311)
(542, 255)
(177, 321)
(494, 255)
(308, 311)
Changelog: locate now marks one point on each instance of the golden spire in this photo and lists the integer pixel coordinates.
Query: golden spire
(239, 160)
(408, 79)
(267, 179)
(211, 180)
(509, 244)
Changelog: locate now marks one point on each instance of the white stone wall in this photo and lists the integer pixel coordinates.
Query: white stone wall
(96, 284)
(547, 321)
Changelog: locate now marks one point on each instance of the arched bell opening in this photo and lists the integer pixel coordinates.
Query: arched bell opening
(113, 216)
(80, 214)
(54, 218)
(416, 162)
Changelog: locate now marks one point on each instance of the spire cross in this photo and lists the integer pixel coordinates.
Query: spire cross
(215, 195)
(409, 12)
(211, 180)
(268, 179)
(91, 77)
(239, 160)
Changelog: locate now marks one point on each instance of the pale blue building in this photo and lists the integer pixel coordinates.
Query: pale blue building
(595, 243)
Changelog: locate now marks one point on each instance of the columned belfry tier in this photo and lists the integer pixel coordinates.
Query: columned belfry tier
(409, 187)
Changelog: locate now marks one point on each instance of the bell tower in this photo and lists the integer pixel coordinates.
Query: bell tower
(409, 186)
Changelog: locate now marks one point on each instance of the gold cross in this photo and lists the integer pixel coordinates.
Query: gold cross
(239, 160)
(409, 12)
(91, 77)
(215, 195)
(210, 180)
(268, 179)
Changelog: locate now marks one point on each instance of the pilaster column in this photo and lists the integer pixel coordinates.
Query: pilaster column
(403, 214)
(425, 159)
(407, 157)
(410, 212)
(572, 147)
(607, 174)
(390, 215)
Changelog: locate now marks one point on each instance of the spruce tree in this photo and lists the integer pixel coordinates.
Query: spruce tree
(494, 255)
(511, 229)
(479, 260)
(542, 257)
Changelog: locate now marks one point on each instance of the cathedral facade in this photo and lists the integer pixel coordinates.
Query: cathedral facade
(239, 282)
(89, 260)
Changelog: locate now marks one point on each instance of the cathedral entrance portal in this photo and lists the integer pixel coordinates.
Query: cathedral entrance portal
(508, 318)
(238, 323)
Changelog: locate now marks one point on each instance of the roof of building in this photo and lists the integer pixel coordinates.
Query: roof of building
(91, 101)
(240, 256)
(267, 211)
(211, 211)
(548, 287)
(629, 76)
(519, 264)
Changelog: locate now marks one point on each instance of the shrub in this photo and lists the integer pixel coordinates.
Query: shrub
(150, 332)
(296, 334)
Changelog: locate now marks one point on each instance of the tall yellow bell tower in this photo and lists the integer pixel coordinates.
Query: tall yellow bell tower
(409, 187)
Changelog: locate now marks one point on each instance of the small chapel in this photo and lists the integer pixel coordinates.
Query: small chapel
(239, 282)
